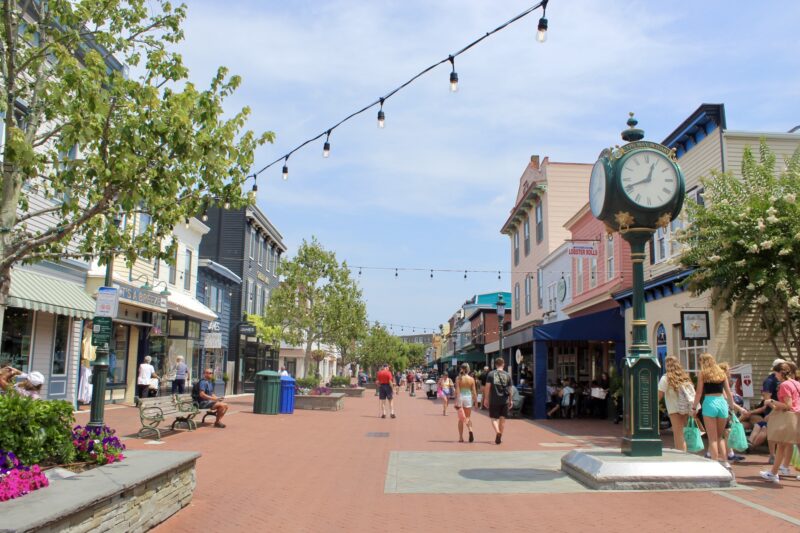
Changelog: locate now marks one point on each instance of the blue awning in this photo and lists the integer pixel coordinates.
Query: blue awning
(608, 325)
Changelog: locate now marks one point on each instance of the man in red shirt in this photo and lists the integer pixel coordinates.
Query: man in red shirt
(385, 390)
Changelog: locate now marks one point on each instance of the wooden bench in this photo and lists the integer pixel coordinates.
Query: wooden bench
(154, 411)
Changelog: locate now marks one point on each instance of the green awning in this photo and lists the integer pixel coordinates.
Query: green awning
(38, 292)
(470, 357)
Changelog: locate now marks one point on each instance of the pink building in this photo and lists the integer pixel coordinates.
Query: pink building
(595, 278)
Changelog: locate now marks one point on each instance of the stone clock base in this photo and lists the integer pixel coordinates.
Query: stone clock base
(611, 470)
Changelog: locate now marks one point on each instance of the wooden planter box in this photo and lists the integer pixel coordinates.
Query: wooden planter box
(350, 392)
(135, 495)
(332, 402)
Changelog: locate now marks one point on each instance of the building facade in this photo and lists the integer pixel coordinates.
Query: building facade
(245, 242)
(546, 198)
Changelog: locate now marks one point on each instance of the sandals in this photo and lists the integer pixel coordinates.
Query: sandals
(219, 425)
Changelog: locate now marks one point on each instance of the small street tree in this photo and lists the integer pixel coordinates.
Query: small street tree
(744, 245)
(380, 347)
(312, 302)
(98, 142)
(415, 353)
(347, 321)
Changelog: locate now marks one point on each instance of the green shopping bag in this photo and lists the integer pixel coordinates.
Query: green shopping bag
(796, 458)
(737, 440)
(691, 434)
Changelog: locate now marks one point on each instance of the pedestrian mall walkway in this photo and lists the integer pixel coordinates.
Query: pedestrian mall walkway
(354, 471)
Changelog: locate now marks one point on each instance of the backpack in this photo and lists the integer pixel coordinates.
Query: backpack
(196, 391)
(685, 398)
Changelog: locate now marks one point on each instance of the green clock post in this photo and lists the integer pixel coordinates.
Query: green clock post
(635, 189)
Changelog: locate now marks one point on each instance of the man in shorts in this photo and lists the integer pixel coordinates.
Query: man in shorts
(385, 390)
(206, 398)
(497, 397)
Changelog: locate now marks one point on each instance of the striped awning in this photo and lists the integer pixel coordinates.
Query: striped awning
(38, 292)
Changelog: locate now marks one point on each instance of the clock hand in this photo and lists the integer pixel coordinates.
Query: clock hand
(645, 180)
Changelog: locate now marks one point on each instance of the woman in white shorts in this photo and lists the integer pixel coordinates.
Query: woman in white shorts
(466, 396)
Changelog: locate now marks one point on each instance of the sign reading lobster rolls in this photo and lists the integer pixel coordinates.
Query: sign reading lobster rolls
(583, 248)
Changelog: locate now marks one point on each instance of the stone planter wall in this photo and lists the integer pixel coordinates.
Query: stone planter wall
(332, 402)
(371, 386)
(132, 496)
(350, 392)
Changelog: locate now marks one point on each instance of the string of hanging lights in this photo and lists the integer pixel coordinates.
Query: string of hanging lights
(541, 36)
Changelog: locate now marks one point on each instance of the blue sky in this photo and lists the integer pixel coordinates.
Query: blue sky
(433, 188)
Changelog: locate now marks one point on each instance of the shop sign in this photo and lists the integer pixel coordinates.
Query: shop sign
(213, 340)
(247, 329)
(102, 329)
(694, 325)
(141, 296)
(582, 249)
(107, 302)
(214, 326)
(262, 277)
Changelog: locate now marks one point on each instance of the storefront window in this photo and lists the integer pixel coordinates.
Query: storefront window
(177, 328)
(60, 346)
(16, 343)
(184, 347)
(192, 330)
(118, 355)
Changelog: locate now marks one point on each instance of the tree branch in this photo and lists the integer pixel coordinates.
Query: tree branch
(34, 214)
(18, 251)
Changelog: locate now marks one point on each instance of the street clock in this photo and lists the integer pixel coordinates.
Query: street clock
(635, 189)
(638, 185)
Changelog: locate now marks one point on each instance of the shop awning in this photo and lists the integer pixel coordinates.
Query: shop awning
(186, 305)
(606, 325)
(38, 292)
(470, 357)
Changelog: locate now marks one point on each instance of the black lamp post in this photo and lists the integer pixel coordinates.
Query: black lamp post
(501, 317)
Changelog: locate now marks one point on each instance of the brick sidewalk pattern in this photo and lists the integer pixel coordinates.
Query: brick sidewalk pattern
(320, 471)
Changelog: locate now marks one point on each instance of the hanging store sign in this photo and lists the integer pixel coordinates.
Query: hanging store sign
(247, 329)
(742, 380)
(582, 249)
(213, 341)
(694, 325)
(137, 295)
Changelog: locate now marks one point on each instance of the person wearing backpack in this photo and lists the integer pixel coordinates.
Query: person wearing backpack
(676, 389)
(203, 394)
(497, 397)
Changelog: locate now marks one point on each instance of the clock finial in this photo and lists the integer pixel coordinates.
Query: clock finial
(632, 133)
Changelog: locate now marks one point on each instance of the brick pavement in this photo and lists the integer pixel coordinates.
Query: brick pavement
(315, 471)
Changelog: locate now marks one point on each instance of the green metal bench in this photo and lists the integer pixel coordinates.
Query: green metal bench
(178, 409)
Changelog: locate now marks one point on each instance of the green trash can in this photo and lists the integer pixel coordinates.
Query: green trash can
(267, 399)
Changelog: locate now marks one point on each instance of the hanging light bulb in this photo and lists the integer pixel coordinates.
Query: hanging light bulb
(541, 34)
(255, 184)
(285, 172)
(226, 205)
(359, 271)
(186, 223)
(381, 116)
(326, 148)
(431, 274)
(395, 272)
(453, 76)
(465, 274)
(205, 216)
(498, 274)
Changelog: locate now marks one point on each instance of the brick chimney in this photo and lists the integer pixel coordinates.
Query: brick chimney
(535, 162)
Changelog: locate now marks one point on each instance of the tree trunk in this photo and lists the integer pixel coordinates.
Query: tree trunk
(309, 360)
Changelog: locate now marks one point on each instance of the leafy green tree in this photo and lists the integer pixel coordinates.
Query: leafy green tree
(346, 320)
(415, 353)
(743, 245)
(380, 347)
(312, 302)
(97, 141)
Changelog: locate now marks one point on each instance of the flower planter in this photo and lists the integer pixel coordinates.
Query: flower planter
(331, 402)
(350, 392)
(134, 495)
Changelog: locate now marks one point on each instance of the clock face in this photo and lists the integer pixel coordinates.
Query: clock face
(649, 178)
(597, 188)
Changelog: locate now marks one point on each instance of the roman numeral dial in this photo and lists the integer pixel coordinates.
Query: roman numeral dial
(648, 178)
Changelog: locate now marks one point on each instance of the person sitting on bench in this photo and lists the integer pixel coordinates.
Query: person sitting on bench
(208, 400)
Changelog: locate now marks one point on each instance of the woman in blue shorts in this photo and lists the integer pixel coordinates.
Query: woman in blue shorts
(712, 386)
